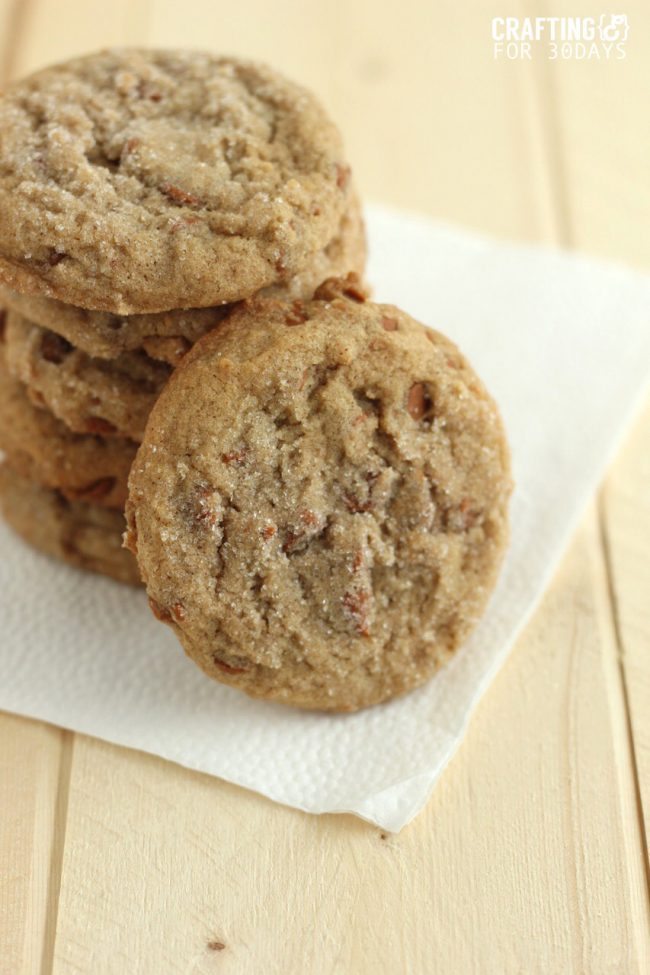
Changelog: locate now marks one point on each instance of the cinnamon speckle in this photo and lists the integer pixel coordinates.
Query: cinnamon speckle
(342, 176)
(388, 323)
(54, 348)
(297, 314)
(234, 456)
(97, 425)
(179, 195)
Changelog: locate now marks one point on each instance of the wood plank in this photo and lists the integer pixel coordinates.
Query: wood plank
(34, 759)
(626, 524)
(527, 858)
(56, 32)
(602, 141)
(602, 154)
(518, 863)
(433, 123)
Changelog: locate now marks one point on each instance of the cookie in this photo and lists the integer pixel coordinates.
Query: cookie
(319, 506)
(139, 181)
(112, 397)
(40, 447)
(81, 534)
(168, 335)
(346, 253)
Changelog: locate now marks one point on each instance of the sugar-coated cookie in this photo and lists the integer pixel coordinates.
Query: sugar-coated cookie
(139, 181)
(40, 447)
(112, 397)
(319, 505)
(168, 335)
(84, 535)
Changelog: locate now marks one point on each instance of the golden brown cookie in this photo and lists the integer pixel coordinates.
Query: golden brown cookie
(345, 254)
(168, 335)
(81, 534)
(112, 397)
(140, 180)
(43, 449)
(319, 506)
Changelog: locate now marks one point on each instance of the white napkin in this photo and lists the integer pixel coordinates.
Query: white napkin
(563, 343)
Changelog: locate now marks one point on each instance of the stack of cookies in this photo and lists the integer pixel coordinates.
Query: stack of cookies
(316, 486)
(142, 194)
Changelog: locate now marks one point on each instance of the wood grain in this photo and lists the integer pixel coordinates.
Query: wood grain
(525, 859)
(531, 855)
(626, 525)
(33, 796)
(602, 148)
(601, 156)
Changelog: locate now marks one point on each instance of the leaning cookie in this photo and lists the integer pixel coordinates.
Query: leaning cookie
(112, 397)
(136, 181)
(168, 335)
(41, 448)
(81, 534)
(319, 506)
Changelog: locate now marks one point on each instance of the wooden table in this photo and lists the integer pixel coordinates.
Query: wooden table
(531, 856)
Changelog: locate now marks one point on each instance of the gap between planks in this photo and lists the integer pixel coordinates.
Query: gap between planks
(57, 850)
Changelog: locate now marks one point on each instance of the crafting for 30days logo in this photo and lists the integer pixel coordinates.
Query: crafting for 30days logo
(599, 38)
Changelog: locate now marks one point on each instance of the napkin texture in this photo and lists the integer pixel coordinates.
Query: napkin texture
(563, 343)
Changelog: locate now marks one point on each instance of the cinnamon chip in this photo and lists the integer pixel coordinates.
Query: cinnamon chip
(97, 425)
(347, 287)
(419, 403)
(228, 668)
(297, 314)
(96, 491)
(54, 348)
(389, 324)
(357, 606)
(179, 195)
(343, 173)
(352, 503)
(160, 612)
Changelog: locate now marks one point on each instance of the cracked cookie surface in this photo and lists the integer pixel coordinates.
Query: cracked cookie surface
(168, 335)
(81, 534)
(111, 397)
(40, 447)
(139, 181)
(319, 506)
